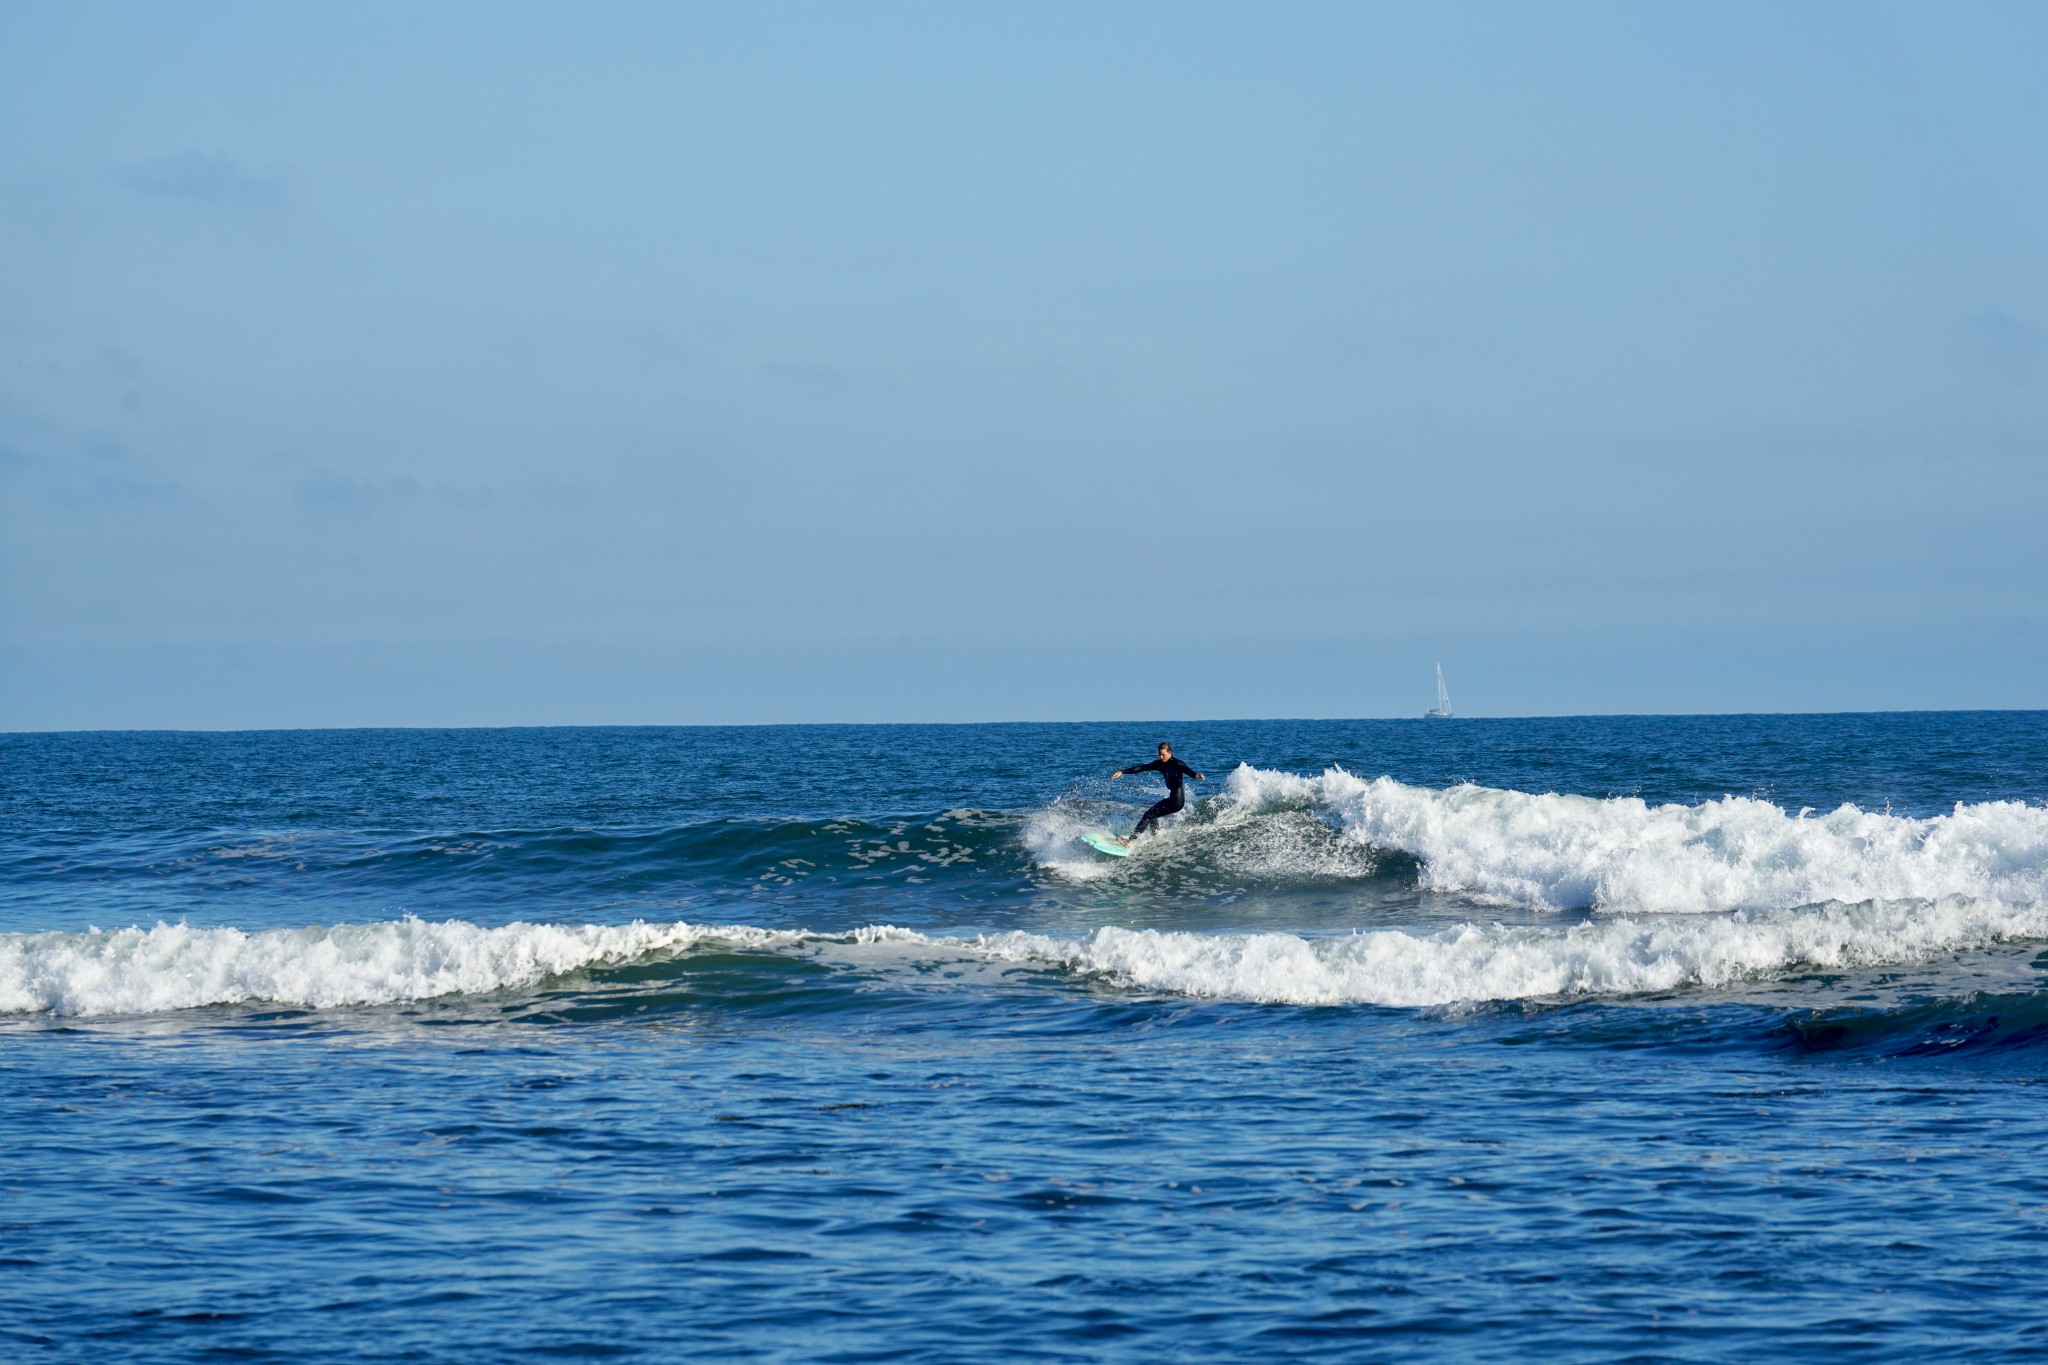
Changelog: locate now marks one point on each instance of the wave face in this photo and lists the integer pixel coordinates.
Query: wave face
(176, 967)
(1551, 852)
(1285, 838)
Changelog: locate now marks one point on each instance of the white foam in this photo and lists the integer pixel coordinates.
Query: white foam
(1623, 854)
(1614, 957)
(175, 966)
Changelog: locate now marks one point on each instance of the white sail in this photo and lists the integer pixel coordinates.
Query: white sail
(1443, 698)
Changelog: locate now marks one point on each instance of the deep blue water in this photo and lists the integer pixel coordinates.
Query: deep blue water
(1648, 1038)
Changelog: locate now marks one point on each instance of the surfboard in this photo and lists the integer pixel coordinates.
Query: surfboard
(1106, 843)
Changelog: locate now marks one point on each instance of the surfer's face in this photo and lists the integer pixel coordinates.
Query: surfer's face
(1166, 751)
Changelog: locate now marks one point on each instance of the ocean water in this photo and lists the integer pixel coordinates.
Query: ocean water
(1651, 1038)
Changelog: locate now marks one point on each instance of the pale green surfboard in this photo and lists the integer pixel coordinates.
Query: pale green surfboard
(1106, 843)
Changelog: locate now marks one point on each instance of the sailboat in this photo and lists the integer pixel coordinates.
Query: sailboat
(1443, 699)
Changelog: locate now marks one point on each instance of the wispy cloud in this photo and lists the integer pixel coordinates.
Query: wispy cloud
(329, 493)
(94, 472)
(199, 175)
(102, 486)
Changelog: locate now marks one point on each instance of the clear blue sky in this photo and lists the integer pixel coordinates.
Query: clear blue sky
(497, 363)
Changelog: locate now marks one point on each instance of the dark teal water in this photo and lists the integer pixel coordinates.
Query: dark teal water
(1651, 1038)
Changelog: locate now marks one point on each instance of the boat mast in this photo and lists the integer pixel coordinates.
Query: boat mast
(1443, 694)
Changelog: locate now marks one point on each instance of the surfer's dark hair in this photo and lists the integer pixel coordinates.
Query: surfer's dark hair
(1164, 745)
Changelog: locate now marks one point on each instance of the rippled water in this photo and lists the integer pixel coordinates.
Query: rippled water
(1658, 1038)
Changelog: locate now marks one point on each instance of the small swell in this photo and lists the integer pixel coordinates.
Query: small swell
(1975, 1023)
(712, 858)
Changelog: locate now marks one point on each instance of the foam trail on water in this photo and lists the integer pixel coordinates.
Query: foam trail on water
(1621, 853)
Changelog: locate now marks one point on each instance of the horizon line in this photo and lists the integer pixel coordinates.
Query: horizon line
(970, 724)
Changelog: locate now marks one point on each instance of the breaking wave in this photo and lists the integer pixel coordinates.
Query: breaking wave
(1616, 854)
(1471, 963)
(175, 967)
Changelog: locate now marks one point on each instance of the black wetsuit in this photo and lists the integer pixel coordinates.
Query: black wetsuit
(1175, 772)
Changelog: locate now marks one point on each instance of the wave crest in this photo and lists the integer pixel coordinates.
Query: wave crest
(1470, 963)
(1623, 854)
(175, 967)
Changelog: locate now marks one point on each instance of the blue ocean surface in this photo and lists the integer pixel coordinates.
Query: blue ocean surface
(1654, 1038)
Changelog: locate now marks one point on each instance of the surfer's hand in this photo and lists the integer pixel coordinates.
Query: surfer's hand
(1115, 775)
(1201, 777)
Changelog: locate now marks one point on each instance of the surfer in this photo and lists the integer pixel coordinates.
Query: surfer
(1175, 772)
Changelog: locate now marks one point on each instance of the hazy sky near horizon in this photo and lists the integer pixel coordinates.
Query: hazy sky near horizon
(500, 363)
